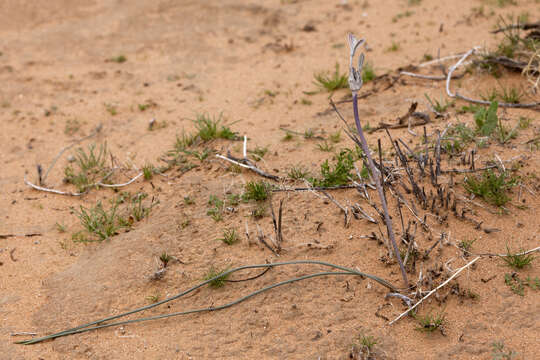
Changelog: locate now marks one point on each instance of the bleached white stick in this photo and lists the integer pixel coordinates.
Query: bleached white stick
(436, 61)
(454, 67)
(54, 191)
(434, 290)
(120, 185)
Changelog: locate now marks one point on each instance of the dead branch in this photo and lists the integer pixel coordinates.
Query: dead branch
(522, 26)
(245, 163)
(475, 101)
(430, 77)
(434, 290)
(54, 191)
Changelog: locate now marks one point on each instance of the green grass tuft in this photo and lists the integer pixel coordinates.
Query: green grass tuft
(218, 282)
(210, 128)
(430, 322)
(486, 119)
(368, 73)
(90, 167)
(100, 222)
(165, 258)
(325, 146)
(216, 211)
(340, 173)
(229, 236)
(517, 260)
(148, 171)
(119, 59)
(439, 106)
(298, 172)
(458, 137)
(258, 191)
(491, 187)
(332, 81)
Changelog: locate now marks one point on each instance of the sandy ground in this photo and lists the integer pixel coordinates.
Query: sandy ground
(252, 62)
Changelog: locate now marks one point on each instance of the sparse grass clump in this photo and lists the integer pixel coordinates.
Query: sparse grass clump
(363, 347)
(491, 187)
(200, 155)
(258, 153)
(259, 211)
(524, 122)
(309, 134)
(369, 73)
(335, 137)
(165, 258)
(486, 119)
(517, 286)
(430, 322)
(325, 146)
(210, 128)
(215, 212)
(439, 106)
(298, 172)
(72, 127)
(111, 109)
(60, 227)
(504, 134)
(394, 47)
(230, 236)
(339, 174)
(184, 141)
(148, 171)
(498, 352)
(488, 123)
(331, 81)
(136, 209)
(99, 221)
(467, 244)
(517, 260)
(258, 191)
(90, 167)
(119, 59)
(219, 281)
(288, 136)
(459, 136)
(233, 199)
(510, 95)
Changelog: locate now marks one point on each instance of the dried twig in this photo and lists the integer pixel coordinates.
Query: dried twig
(327, 188)
(429, 77)
(475, 101)
(118, 185)
(261, 237)
(434, 290)
(523, 26)
(277, 224)
(99, 183)
(54, 191)
(5, 236)
(245, 163)
(343, 208)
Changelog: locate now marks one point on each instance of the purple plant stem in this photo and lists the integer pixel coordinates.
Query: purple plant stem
(378, 184)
